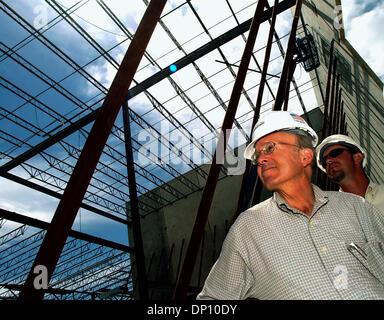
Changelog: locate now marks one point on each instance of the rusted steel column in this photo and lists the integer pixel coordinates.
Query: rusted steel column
(134, 204)
(321, 179)
(342, 124)
(263, 80)
(332, 99)
(288, 59)
(338, 112)
(291, 71)
(335, 104)
(57, 234)
(327, 89)
(185, 275)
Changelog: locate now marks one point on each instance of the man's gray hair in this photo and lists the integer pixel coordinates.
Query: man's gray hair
(304, 141)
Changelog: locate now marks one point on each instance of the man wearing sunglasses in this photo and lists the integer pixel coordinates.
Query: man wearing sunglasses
(343, 160)
(302, 243)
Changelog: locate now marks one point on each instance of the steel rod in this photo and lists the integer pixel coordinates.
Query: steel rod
(332, 98)
(291, 71)
(327, 90)
(263, 81)
(335, 103)
(13, 216)
(288, 59)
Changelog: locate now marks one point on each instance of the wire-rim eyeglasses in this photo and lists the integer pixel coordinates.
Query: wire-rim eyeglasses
(268, 148)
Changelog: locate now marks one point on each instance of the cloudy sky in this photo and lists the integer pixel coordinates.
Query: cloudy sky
(363, 21)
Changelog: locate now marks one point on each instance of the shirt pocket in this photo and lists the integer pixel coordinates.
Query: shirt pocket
(370, 254)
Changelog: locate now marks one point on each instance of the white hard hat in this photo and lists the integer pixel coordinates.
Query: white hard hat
(278, 121)
(338, 139)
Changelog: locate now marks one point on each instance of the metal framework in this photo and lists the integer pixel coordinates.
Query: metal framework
(46, 116)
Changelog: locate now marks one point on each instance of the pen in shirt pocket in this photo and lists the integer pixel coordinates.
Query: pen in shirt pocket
(353, 247)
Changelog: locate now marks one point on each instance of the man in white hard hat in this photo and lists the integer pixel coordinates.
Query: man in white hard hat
(344, 160)
(302, 243)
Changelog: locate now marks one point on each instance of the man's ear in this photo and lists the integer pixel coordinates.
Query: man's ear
(358, 158)
(306, 156)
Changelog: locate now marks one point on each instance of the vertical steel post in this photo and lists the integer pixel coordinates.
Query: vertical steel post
(342, 124)
(185, 275)
(134, 204)
(332, 99)
(332, 112)
(281, 91)
(57, 234)
(338, 111)
(263, 80)
(327, 89)
(334, 116)
(291, 71)
(319, 174)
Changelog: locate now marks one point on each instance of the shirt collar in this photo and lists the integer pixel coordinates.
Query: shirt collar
(372, 188)
(321, 198)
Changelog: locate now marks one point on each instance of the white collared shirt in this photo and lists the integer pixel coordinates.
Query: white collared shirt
(273, 251)
(375, 195)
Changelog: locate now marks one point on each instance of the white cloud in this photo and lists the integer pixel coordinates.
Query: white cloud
(363, 26)
(22, 200)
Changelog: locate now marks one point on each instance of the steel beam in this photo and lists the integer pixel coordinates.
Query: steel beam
(13, 216)
(284, 77)
(54, 194)
(263, 81)
(185, 275)
(320, 177)
(327, 90)
(66, 211)
(135, 215)
(332, 98)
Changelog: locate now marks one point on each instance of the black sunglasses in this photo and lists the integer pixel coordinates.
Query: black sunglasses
(333, 154)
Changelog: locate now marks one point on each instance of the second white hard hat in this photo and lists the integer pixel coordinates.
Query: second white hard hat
(278, 121)
(338, 139)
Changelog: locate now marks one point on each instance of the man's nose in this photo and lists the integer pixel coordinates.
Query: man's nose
(262, 159)
(329, 160)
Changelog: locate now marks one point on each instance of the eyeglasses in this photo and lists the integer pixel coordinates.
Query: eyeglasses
(333, 154)
(268, 148)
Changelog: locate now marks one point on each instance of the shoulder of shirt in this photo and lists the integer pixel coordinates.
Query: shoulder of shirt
(342, 195)
(346, 197)
(259, 207)
(254, 212)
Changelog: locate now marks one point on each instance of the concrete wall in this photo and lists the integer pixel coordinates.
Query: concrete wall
(362, 90)
(166, 233)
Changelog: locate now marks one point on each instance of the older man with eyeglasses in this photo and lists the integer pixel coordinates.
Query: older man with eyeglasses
(302, 243)
(344, 160)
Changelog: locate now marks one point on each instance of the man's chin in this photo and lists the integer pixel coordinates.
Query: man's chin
(337, 177)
